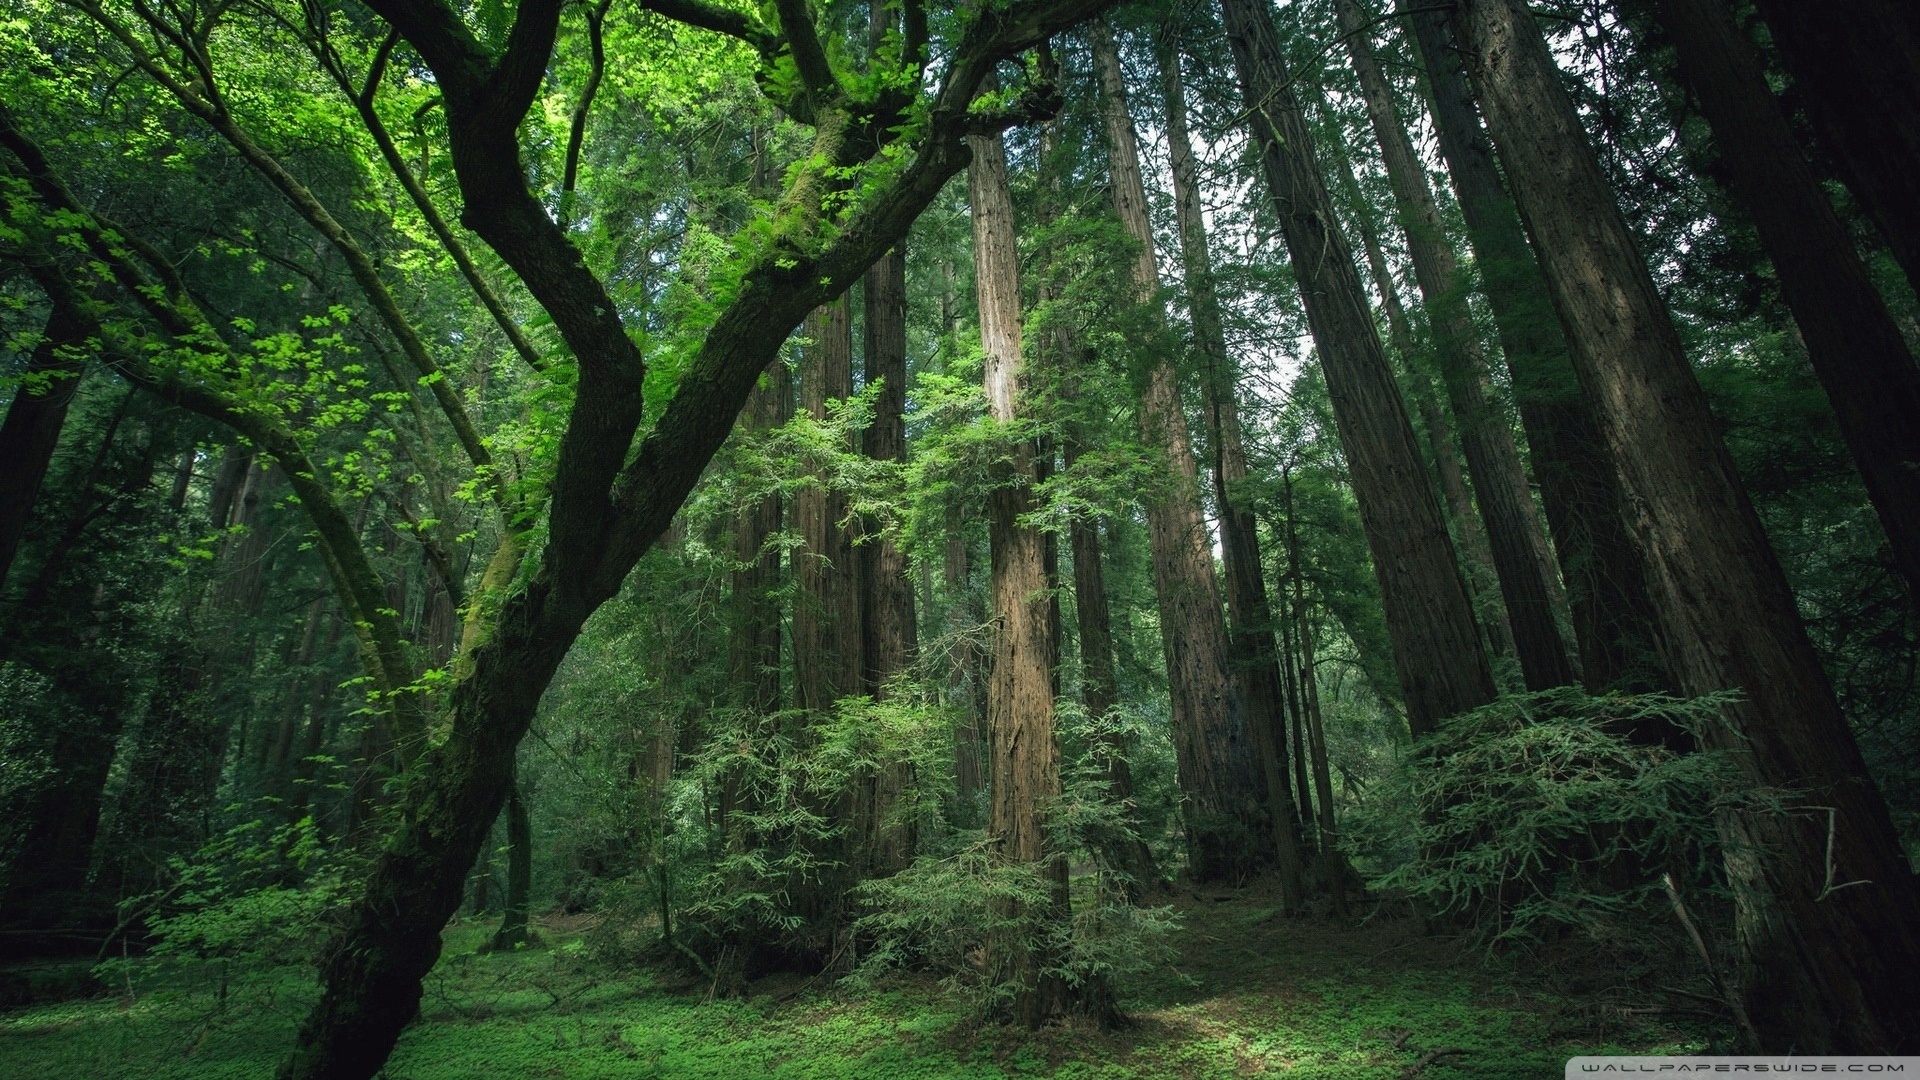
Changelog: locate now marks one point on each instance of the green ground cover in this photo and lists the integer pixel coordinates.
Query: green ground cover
(1252, 995)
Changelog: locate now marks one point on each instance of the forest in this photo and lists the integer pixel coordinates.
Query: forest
(866, 538)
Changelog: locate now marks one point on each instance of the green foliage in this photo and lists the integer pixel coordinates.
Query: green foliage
(1541, 809)
(949, 913)
(251, 900)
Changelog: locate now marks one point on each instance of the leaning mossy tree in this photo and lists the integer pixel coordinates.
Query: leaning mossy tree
(888, 132)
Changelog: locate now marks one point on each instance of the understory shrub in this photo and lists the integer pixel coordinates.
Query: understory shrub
(1539, 810)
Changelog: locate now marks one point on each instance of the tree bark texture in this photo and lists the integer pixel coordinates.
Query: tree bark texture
(1518, 543)
(1250, 630)
(826, 607)
(754, 657)
(1608, 593)
(1856, 64)
(1436, 643)
(1826, 919)
(889, 637)
(1024, 751)
(1219, 778)
(1858, 353)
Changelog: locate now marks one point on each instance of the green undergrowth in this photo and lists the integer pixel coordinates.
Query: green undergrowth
(1253, 994)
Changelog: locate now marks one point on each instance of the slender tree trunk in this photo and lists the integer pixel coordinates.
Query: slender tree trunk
(34, 419)
(1250, 632)
(965, 684)
(1429, 615)
(513, 922)
(1518, 544)
(1332, 859)
(889, 638)
(1100, 688)
(1296, 757)
(1225, 813)
(1856, 64)
(1608, 592)
(1025, 753)
(1826, 919)
(1857, 351)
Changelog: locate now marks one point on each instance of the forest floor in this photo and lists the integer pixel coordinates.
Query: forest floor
(1253, 994)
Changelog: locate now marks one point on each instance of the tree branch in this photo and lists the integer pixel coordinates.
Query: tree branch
(816, 73)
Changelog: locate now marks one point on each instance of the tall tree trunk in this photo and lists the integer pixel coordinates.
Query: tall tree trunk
(753, 657)
(1219, 777)
(1826, 919)
(1468, 531)
(1858, 353)
(1250, 632)
(826, 615)
(826, 624)
(1124, 850)
(1436, 643)
(1856, 64)
(888, 634)
(1519, 545)
(1608, 592)
(1025, 752)
(34, 419)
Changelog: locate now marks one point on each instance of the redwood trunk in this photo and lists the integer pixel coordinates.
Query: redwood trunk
(1857, 351)
(1856, 64)
(1608, 593)
(1219, 777)
(1429, 616)
(1499, 485)
(1468, 532)
(1826, 921)
(888, 636)
(1024, 751)
(1250, 633)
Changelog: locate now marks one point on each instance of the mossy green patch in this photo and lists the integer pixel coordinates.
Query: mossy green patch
(1253, 994)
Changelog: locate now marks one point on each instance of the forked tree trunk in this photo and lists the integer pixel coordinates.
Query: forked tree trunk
(1223, 790)
(1250, 633)
(1608, 593)
(1825, 915)
(1518, 544)
(1436, 644)
(1858, 353)
(1333, 861)
(1025, 753)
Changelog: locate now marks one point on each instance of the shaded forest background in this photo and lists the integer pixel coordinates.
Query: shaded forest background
(600, 459)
